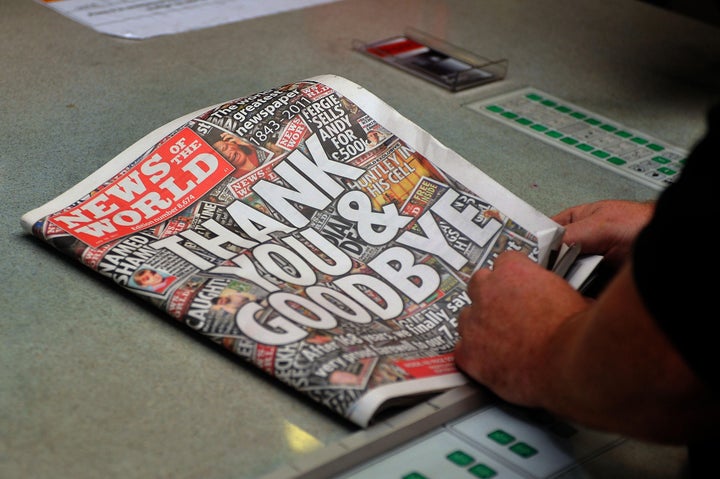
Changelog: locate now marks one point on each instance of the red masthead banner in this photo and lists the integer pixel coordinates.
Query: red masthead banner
(168, 180)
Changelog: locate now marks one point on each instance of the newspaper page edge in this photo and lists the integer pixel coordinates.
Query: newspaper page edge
(367, 406)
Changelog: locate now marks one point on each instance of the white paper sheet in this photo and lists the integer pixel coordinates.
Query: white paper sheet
(141, 19)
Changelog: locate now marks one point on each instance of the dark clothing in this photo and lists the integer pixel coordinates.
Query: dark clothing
(674, 262)
(675, 258)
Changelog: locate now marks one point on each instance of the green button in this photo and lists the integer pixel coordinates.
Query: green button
(549, 103)
(655, 147)
(524, 121)
(593, 121)
(667, 171)
(661, 159)
(495, 108)
(523, 450)
(554, 134)
(509, 114)
(501, 437)
(569, 140)
(601, 154)
(639, 141)
(482, 471)
(578, 115)
(533, 96)
(460, 458)
(563, 109)
(617, 161)
(609, 128)
(414, 475)
(584, 147)
(623, 133)
(539, 127)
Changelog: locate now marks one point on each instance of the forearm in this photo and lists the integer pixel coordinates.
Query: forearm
(615, 369)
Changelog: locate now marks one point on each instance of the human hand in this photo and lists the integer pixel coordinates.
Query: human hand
(507, 331)
(606, 227)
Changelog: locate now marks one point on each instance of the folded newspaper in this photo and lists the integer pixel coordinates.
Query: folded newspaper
(311, 230)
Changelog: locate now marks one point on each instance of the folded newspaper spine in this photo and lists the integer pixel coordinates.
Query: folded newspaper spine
(310, 229)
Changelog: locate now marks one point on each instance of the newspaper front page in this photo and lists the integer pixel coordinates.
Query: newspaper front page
(310, 229)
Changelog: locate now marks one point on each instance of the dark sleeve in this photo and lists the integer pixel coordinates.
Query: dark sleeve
(675, 258)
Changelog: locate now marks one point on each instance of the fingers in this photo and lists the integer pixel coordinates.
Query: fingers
(507, 258)
(478, 283)
(564, 217)
(577, 213)
(504, 259)
(478, 277)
